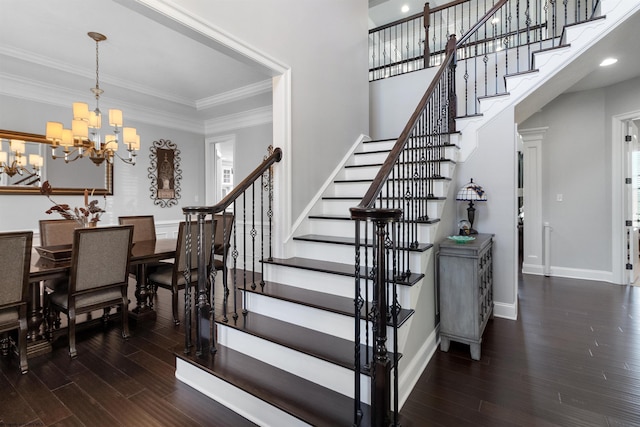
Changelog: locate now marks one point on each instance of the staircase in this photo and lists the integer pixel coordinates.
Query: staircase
(294, 347)
(288, 358)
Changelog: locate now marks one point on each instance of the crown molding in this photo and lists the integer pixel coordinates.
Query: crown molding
(257, 116)
(235, 95)
(36, 91)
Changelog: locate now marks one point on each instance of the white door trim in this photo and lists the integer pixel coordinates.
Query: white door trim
(532, 199)
(618, 229)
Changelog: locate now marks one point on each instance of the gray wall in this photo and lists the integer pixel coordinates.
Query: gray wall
(251, 147)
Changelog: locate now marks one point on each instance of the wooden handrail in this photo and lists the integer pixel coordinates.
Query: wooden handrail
(237, 191)
(378, 183)
(481, 22)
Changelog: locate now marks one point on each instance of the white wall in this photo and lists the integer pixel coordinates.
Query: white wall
(251, 148)
(577, 151)
(493, 165)
(393, 100)
(324, 43)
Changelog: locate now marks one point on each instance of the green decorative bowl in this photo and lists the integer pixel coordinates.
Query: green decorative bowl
(461, 239)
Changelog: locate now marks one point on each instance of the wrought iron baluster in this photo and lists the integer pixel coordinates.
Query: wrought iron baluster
(262, 190)
(225, 283)
(187, 290)
(253, 236)
(244, 254)
(234, 255)
(358, 303)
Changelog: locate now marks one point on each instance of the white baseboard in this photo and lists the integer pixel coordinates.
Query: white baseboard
(411, 373)
(506, 311)
(570, 273)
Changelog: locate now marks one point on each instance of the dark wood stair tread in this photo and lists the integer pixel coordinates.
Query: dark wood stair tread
(327, 347)
(334, 268)
(434, 146)
(302, 399)
(358, 199)
(320, 300)
(347, 218)
(364, 180)
(350, 241)
(369, 165)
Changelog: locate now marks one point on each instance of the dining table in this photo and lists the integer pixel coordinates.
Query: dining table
(55, 263)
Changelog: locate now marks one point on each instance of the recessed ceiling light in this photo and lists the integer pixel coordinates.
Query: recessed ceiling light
(608, 61)
(494, 21)
(405, 8)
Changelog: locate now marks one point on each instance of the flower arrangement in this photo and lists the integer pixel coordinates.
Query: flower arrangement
(87, 215)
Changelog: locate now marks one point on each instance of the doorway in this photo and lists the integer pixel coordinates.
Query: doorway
(219, 167)
(632, 200)
(625, 245)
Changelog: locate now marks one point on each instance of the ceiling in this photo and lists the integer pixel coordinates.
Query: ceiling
(44, 48)
(384, 11)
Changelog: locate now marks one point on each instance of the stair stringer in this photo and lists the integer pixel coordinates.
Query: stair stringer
(548, 63)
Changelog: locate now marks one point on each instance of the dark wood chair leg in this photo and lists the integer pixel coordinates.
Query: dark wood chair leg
(72, 333)
(174, 306)
(125, 317)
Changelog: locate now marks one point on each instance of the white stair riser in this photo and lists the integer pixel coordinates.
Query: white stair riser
(364, 172)
(341, 207)
(378, 145)
(239, 401)
(359, 189)
(333, 227)
(321, 372)
(449, 152)
(369, 172)
(343, 253)
(319, 320)
(334, 284)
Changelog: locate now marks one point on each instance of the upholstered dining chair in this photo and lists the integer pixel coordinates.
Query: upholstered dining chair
(99, 276)
(55, 232)
(144, 228)
(15, 262)
(222, 239)
(171, 275)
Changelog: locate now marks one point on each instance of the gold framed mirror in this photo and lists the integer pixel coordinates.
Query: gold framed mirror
(24, 167)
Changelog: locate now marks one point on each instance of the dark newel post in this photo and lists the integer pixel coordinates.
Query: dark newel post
(381, 388)
(453, 102)
(426, 22)
(203, 324)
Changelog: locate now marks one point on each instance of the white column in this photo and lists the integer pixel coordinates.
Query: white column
(533, 259)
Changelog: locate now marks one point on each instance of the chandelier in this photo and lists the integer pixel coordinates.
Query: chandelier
(84, 138)
(15, 162)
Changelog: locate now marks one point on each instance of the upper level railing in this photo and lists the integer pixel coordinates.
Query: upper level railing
(245, 238)
(419, 41)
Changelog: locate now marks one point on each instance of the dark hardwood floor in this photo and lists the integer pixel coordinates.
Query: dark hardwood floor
(571, 359)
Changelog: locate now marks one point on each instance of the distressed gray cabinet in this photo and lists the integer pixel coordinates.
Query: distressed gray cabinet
(465, 280)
